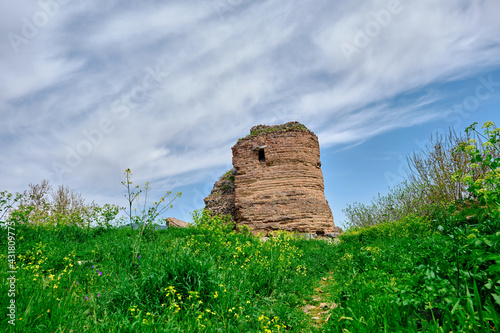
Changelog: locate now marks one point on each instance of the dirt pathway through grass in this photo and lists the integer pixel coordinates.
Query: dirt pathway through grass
(319, 306)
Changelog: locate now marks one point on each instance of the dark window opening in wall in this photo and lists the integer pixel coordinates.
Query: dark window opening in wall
(262, 155)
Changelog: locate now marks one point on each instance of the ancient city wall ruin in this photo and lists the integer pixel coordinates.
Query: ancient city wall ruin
(278, 182)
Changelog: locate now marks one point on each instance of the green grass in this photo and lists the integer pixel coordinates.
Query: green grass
(419, 275)
(200, 279)
(415, 275)
(427, 268)
(293, 126)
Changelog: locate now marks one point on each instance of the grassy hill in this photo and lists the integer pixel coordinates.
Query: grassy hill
(408, 263)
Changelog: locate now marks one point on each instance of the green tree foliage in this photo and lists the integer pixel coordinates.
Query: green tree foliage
(451, 170)
(403, 200)
(8, 201)
(436, 270)
(483, 177)
(433, 168)
(41, 205)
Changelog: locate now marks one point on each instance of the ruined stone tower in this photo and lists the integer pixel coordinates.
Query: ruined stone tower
(278, 183)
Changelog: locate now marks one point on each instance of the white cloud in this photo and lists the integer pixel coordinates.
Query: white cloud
(251, 63)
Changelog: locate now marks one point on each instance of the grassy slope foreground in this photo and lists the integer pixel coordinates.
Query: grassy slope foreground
(200, 279)
(419, 275)
(412, 275)
(418, 260)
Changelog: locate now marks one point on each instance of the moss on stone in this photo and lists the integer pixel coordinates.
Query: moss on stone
(228, 176)
(293, 126)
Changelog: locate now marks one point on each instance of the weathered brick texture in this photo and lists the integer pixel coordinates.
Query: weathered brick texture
(278, 183)
(221, 199)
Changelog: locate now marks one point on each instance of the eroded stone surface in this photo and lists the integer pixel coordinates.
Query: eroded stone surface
(221, 199)
(176, 223)
(278, 183)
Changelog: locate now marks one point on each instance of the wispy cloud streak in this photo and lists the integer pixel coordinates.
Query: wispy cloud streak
(190, 79)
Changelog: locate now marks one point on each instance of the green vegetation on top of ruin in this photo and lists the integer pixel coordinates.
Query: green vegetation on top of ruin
(293, 126)
(228, 176)
(425, 258)
(226, 187)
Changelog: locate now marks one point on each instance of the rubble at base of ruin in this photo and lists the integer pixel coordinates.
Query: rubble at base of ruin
(276, 182)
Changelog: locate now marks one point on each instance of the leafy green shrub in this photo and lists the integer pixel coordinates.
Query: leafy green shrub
(42, 206)
(435, 166)
(484, 186)
(214, 224)
(419, 275)
(438, 271)
(7, 202)
(408, 226)
(145, 215)
(403, 200)
(450, 171)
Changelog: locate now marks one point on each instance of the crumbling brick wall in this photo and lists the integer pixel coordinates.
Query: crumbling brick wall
(221, 199)
(278, 182)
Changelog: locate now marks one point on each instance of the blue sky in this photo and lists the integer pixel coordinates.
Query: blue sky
(88, 89)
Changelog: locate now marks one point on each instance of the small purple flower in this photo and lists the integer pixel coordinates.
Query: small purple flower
(139, 256)
(97, 271)
(92, 266)
(86, 298)
(100, 273)
(139, 265)
(98, 295)
(76, 282)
